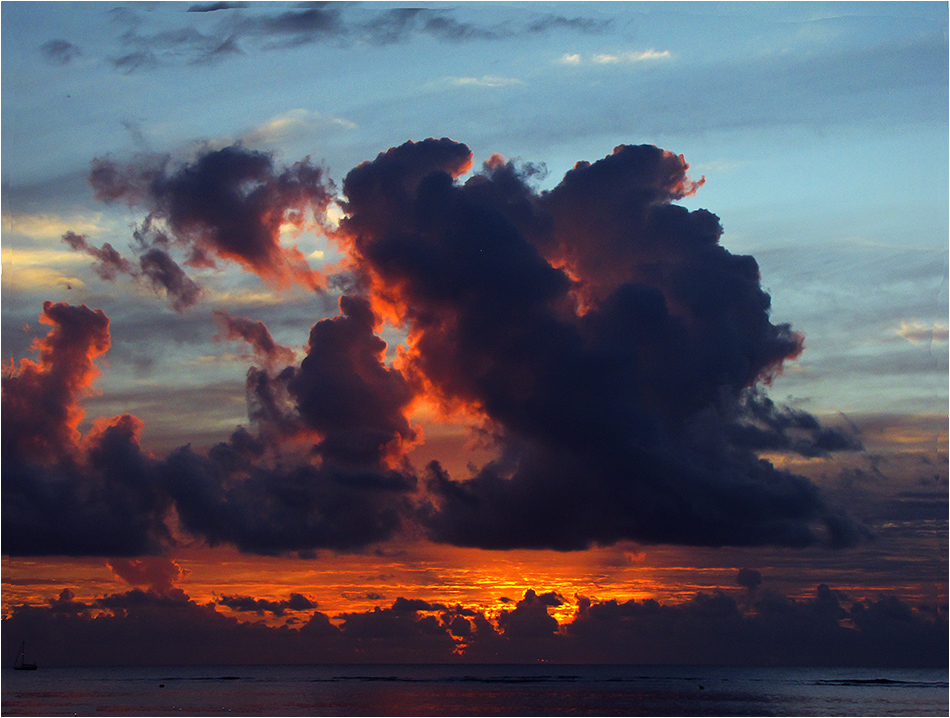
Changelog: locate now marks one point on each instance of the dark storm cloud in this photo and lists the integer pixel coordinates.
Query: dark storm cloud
(231, 496)
(66, 603)
(827, 629)
(780, 631)
(229, 203)
(104, 502)
(102, 495)
(60, 52)
(606, 336)
(610, 346)
(767, 426)
(344, 391)
(298, 27)
(530, 618)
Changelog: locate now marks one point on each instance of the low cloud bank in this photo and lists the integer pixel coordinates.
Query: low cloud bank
(148, 627)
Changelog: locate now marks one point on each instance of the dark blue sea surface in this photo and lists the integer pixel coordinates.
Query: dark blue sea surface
(482, 690)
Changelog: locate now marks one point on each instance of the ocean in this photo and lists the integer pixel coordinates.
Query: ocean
(483, 690)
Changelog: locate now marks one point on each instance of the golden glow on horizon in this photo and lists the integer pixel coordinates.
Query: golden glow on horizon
(50, 227)
(484, 581)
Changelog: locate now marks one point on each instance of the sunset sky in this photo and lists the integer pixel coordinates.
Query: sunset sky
(595, 332)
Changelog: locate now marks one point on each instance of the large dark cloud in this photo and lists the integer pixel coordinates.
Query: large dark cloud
(64, 493)
(233, 496)
(325, 469)
(319, 474)
(105, 501)
(606, 337)
(605, 342)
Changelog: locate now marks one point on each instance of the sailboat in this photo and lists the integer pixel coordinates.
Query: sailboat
(20, 663)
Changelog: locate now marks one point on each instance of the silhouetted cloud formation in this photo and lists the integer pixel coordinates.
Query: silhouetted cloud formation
(296, 602)
(163, 273)
(604, 334)
(109, 262)
(148, 628)
(41, 399)
(598, 336)
(62, 493)
(229, 203)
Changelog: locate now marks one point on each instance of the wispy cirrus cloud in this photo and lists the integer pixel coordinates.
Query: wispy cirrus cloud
(483, 81)
(147, 41)
(294, 124)
(620, 58)
(916, 331)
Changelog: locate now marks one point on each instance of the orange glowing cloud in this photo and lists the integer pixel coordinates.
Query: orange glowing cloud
(41, 410)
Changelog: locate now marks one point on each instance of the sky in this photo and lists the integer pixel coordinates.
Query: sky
(513, 332)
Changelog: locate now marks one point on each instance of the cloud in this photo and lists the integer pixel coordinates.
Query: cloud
(229, 203)
(165, 275)
(622, 58)
(162, 272)
(103, 502)
(484, 81)
(60, 52)
(215, 6)
(600, 331)
(268, 493)
(247, 28)
(251, 493)
(345, 392)
(231, 496)
(255, 334)
(749, 578)
(293, 124)
(41, 399)
(147, 628)
(915, 331)
(156, 572)
(766, 426)
(607, 347)
(629, 57)
(108, 261)
(296, 602)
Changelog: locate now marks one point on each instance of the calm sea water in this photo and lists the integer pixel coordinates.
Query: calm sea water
(474, 690)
